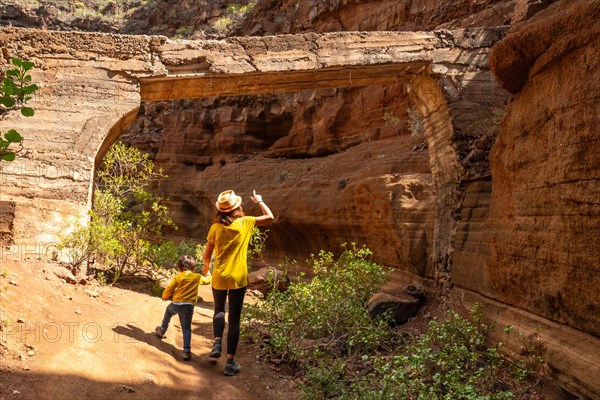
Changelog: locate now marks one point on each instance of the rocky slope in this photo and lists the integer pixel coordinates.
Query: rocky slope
(182, 18)
(195, 19)
(291, 16)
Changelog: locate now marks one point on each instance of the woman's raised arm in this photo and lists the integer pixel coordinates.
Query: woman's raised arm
(267, 214)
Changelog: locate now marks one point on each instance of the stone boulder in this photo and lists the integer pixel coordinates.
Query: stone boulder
(403, 306)
(267, 278)
(65, 274)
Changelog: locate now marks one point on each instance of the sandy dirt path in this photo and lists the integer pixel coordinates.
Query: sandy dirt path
(62, 341)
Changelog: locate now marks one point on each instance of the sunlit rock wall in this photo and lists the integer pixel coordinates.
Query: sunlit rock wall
(328, 163)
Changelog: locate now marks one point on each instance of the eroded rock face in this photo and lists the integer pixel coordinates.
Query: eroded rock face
(546, 165)
(330, 166)
(7, 217)
(197, 19)
(545, 208)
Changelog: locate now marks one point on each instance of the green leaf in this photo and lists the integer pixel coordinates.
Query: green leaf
(29, 89)
(7, 157)
(13, 136)
(27, 65)
(7, 102)
(8, 87)
(3, 144)
(17, 62)
(12, 72)
(27, 111)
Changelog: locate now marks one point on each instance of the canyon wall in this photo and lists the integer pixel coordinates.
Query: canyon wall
(331, 168)
(544, 222)
(90, 90)
(219, 18)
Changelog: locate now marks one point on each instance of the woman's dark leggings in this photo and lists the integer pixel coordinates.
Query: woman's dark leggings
(236, 301)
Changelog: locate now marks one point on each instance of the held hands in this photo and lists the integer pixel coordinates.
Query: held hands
(257, 198)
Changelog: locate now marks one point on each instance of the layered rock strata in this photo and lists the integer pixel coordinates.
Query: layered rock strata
(543, 230)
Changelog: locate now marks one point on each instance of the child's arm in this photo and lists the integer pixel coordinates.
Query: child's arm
(169, 289)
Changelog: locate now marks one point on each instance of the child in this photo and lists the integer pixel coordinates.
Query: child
(184, 289)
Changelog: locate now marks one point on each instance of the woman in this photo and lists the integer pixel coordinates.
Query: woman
(228, 238)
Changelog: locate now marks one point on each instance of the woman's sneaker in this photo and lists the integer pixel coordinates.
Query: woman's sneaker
(232, 369)
(159, 332)
(187, 355)
(216, 350)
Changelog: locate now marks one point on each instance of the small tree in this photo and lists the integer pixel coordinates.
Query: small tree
(16, 90)
(127, 220)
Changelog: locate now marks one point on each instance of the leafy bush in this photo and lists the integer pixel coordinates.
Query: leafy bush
(453, 360)
(326, 317)
(322, 329)
(234, 14)
(184, 31)
(126, 220)
(165, 255)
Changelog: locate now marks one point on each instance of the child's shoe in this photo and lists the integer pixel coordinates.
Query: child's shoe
(187, 355)
(159, 332)
(232, 368)
(216, 350)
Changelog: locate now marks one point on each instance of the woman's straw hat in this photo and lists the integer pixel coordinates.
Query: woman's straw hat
(228, 201)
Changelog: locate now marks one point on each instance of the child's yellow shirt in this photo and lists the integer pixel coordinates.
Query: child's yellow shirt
(184, 287)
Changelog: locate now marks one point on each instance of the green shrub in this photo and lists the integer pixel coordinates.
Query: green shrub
(233, 15)
(453, 360)
(166, 254)
(184, 31)
(322, 329)
(126, 220)
(325, 317)
(100, 278)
